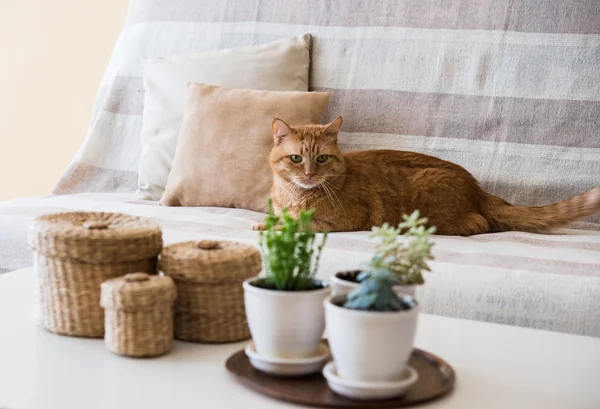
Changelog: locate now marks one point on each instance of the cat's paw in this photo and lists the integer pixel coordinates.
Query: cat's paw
(259, 227)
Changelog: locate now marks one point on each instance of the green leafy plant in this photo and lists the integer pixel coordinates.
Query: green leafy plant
(395, 262)
(290, 253)
(406, 258)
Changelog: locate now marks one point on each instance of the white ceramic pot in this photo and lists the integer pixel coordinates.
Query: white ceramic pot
(369, 346)
(340, 287)
(285, 324)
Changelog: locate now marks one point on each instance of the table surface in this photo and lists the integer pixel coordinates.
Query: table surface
(497, 366)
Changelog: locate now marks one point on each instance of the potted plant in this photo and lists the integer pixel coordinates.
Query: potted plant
(403, 251)
(284, 307)
(371, 329)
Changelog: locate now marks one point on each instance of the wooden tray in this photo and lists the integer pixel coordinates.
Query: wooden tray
(436, 378)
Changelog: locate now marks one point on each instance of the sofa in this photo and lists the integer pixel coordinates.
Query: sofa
(509, 90)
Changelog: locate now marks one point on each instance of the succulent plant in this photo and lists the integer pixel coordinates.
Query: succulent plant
(376, 293)
(406, 258)
(395, 262)
(290, 253)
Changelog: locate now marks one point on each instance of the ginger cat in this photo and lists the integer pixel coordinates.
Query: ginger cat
(358, 190)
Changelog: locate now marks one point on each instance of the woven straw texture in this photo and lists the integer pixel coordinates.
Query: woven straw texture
(138, 314)
(74, 253)
(210, 297)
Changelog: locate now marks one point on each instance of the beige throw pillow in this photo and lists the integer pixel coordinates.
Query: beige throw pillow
(222, 156)
(278, 66)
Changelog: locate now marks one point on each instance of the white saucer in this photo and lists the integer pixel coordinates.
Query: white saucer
(369, 390)
(288, 366)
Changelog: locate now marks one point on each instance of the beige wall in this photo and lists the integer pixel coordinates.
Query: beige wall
(52, 56)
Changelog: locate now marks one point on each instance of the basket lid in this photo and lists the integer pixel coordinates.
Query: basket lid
(95, 237)
(210, 261)
(137, 291)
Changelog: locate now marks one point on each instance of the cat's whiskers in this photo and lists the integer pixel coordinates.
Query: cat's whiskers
(331, 189)
(328, 194)
(296, 196)
(290, 192)
(285, 189)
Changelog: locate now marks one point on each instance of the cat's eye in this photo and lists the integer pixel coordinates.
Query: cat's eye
(322, 158)
(296, 158)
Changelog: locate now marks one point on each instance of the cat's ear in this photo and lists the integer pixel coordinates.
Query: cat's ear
(280, 130)
(333, 128)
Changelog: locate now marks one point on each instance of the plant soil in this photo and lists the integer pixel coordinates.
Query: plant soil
(352, 274)
(265, 285)
(349, 275)
(407, 303)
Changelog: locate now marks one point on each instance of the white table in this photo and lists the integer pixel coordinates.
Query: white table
(497, 366)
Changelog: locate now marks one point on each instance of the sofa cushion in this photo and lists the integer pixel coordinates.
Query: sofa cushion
(540, 281)
(222, 156)
(277, 66)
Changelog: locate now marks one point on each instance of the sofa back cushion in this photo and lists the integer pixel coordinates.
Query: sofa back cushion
(278, 66)
(509, 90)
(222, 156)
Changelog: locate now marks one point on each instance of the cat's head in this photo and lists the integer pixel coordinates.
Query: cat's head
(306, 155)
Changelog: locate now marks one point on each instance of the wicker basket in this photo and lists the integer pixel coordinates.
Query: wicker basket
(138, 314)
(210, 297)
(74, 253)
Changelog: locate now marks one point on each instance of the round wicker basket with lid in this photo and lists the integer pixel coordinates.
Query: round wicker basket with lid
(138, 314)
(210, 297)
(74, 253)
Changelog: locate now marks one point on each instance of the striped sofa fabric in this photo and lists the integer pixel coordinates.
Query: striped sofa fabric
(510, 89)
(546, 281)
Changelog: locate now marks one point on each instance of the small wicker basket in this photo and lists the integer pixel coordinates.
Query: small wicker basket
(209, 276)
(74, 253)
(138, 314)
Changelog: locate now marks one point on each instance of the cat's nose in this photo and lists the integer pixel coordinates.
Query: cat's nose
(309, 174)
